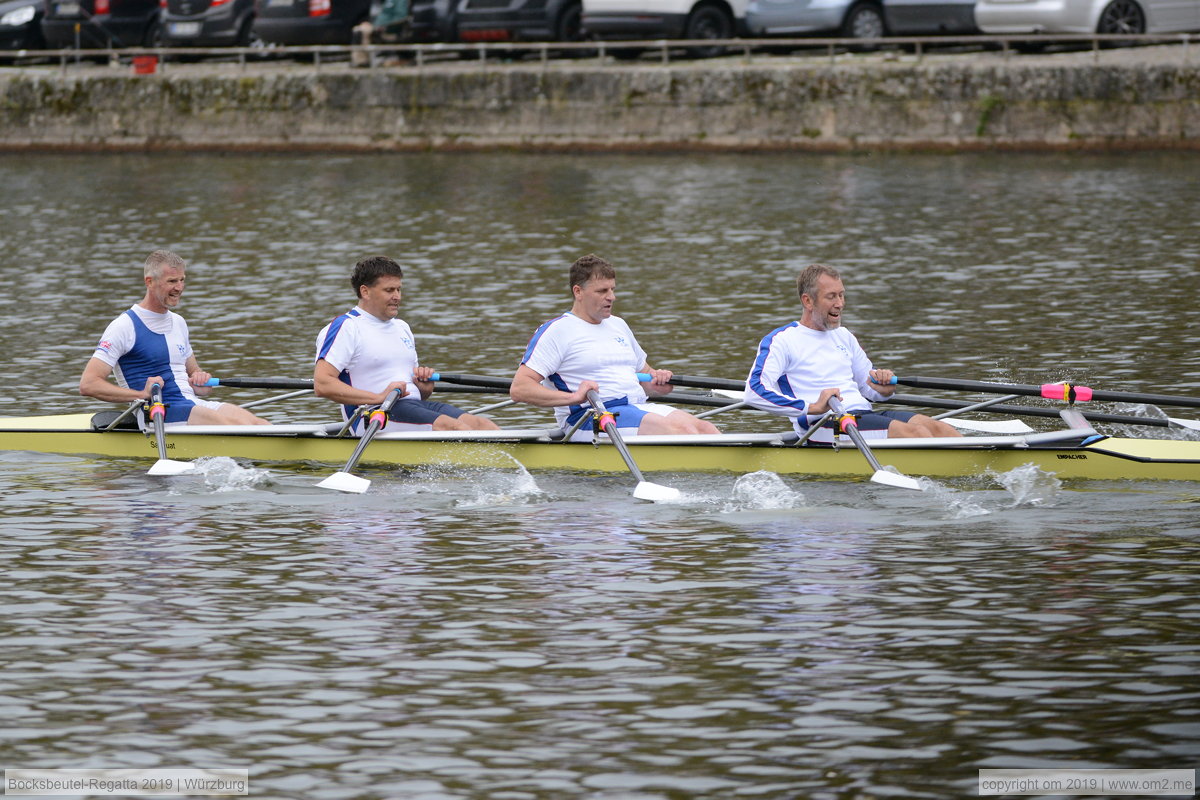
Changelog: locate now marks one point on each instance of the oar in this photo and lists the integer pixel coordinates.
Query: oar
(644, 490)
(158, 414)
(1051, 391)
(345, 482)
(262, 383)
(1041, 411)
(848, 424)
(500, 384)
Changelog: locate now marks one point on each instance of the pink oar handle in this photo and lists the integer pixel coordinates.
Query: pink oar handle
(1067, 392)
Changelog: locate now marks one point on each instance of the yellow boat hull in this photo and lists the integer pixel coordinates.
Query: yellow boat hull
(1106, 459)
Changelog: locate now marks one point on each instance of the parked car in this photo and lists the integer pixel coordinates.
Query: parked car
(21, 25)
(665, 19)
(434, 21)
(208, 23)
(858, 19)
(303, 22)
(515, 20)
(1087, 16)
(930, 17)
(101, 23)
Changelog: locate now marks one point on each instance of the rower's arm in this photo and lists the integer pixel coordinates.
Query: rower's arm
(95, 383)
(527, 388)
(197, 377)
(327, 384)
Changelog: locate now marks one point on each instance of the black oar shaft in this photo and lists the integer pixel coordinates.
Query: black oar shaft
(1027, 411)
(1031, 390)
(609, 424)
(377, 422)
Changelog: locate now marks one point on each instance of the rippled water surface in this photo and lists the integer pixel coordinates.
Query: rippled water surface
(501, 634)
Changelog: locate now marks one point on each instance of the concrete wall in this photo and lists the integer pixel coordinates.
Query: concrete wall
(964, 103)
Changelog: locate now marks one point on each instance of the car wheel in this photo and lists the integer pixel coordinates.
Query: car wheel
(864, 21)
(708, 22)
(1122, 16)
(569, 27)
(154, 35)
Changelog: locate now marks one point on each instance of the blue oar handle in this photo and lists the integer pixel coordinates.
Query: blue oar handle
(213, 382)
(894, 380)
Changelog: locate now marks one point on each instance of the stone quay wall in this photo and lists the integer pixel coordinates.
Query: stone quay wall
(1148, 99)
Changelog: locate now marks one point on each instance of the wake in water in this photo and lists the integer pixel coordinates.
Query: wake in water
(762, 491)
(223, 474)
(1027, 487)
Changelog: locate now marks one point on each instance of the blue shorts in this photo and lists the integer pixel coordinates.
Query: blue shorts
(871, 424)
(876, 420)
(422, 412)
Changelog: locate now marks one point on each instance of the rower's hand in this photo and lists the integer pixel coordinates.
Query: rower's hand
(579, 396)
(199, 380)
(155, 381)
(882, 378)
(822, 403)
(401, 385)
(659, 382)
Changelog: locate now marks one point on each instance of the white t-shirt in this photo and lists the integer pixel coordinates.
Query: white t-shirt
(369, 353)
(120, 337)
(795, 363)
(568, 350)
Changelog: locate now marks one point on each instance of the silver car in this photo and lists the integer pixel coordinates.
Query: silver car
(860, 19)
(1087, 16)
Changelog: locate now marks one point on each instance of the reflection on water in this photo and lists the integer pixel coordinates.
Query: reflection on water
(495, 633)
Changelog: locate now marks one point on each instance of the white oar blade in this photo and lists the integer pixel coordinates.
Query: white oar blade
(894, 479)
(1185, 423)
(1013, 426)
(345, 482)
(165, 466)
(656, 492)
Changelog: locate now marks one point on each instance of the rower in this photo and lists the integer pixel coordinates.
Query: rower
(148, 345)
(367, 352)
(586, 349)
(803, 364)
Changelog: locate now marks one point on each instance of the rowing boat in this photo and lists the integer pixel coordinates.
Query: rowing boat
(1069, 454)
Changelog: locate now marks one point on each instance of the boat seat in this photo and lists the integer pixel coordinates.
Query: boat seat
(103, 419)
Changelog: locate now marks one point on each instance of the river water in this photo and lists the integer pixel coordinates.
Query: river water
(501, 634)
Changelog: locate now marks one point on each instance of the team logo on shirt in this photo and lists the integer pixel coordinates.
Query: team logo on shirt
(104, 345)
(407, 342)
(181, 349)
(621, 341)
(841, 348)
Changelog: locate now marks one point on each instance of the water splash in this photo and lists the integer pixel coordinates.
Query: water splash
(762, 490)
(223, 474)
(1143, 431)
(502, 488)
(957, 504)
(1030, 486)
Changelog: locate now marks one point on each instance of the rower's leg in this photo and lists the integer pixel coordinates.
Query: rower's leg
(920, 427)
(224, 414)
(677, 422)
(467, 422)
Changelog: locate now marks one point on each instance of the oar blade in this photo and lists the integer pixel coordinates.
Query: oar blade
(656, 492)
(166, 466)
(896, 480)
(345, 482)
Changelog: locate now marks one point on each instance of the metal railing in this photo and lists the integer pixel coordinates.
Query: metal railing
(747, 49)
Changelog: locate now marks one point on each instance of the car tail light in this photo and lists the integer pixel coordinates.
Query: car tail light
(102, 7)
(319, 8)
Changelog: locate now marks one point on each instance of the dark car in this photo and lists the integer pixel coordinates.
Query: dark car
(301, 22)
(100, 23)
(21, 25)
(517, 20)
(434, 20)
(208, 23)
